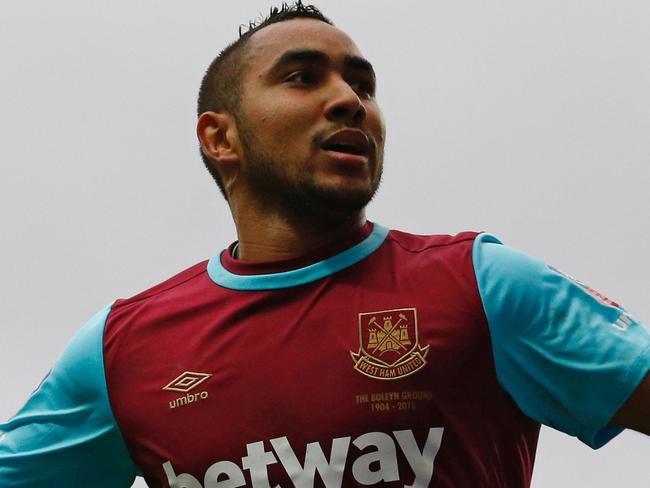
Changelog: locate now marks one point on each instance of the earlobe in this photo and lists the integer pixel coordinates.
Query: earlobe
(217, 133)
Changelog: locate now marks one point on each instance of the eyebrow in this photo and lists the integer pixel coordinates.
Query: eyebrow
(359, 64)
(356, 63)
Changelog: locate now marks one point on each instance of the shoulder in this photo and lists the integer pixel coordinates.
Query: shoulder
(185, 279)
(418, 242)
(439, 263)
(433, 249)
(182, 292)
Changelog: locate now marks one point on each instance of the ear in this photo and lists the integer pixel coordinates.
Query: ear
(217, 133)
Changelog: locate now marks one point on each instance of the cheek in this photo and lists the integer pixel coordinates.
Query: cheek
(281, 123)
(375, 122)
(292, 131)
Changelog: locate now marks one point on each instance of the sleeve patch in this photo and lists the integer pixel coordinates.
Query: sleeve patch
(597, 295)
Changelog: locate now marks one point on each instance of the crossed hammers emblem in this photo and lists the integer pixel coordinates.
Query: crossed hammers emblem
(388, 333)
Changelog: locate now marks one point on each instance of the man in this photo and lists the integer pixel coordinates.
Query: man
(427, 361)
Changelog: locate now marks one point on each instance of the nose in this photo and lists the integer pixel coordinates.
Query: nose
(344, 105)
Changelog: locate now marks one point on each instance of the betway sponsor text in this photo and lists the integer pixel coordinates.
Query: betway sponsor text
(377, 464)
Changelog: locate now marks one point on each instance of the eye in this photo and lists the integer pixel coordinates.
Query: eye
(363, 88)
(305, 78)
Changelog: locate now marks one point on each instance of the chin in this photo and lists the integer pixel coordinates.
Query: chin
(346, 199)
(346, 183)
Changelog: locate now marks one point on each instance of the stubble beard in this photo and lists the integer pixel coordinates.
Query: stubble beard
(299, 199)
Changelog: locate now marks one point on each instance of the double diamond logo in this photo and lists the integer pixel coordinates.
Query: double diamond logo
(187, 381)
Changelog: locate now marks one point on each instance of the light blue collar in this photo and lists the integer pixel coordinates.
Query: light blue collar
(300, 276)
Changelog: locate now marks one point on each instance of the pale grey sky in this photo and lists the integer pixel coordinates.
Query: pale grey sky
(527, 119)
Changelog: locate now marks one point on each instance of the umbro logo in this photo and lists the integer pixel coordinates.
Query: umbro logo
(184, 383)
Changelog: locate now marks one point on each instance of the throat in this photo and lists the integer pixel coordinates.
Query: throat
(272, 242)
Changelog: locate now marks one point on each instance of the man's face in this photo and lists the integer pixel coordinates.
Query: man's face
(311, 131)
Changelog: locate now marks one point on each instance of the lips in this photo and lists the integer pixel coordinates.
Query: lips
(348, 141)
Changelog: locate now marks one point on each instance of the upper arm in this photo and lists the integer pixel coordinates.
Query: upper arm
(635, 412)
(66, 435)
(568, 357)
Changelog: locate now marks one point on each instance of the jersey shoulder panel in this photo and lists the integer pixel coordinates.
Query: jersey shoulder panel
(418, 243)
(170, 283)
(129, 316)
(439, 266)
(66, 435)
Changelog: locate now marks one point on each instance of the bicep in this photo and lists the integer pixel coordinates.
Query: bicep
(65, 435)
(635, 412)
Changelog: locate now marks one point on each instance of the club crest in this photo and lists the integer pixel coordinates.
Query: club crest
(388, 344)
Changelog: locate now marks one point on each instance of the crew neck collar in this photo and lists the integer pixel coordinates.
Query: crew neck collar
(236, 274)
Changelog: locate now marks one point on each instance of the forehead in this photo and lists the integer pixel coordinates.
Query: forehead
(269, 43)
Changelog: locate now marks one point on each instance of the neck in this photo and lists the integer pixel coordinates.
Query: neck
(270, 238)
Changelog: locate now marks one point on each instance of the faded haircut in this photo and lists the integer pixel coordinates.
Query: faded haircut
(220, 89)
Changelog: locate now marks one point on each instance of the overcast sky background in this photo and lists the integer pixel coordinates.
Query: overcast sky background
(528, 119)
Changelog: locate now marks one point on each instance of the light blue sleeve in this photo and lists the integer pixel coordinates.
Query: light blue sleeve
(66, 436)
(567, 358)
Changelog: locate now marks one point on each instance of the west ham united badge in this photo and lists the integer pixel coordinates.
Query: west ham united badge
(388, 344)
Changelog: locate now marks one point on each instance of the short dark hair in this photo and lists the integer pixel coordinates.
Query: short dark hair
(220, 89)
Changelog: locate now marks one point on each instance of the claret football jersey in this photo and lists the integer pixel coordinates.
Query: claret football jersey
(392, 360)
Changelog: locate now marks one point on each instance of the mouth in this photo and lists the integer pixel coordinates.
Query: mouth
(350, 142)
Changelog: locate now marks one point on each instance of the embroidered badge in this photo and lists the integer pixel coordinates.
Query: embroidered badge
(184, 383)
(623, 322)
(388, 344)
